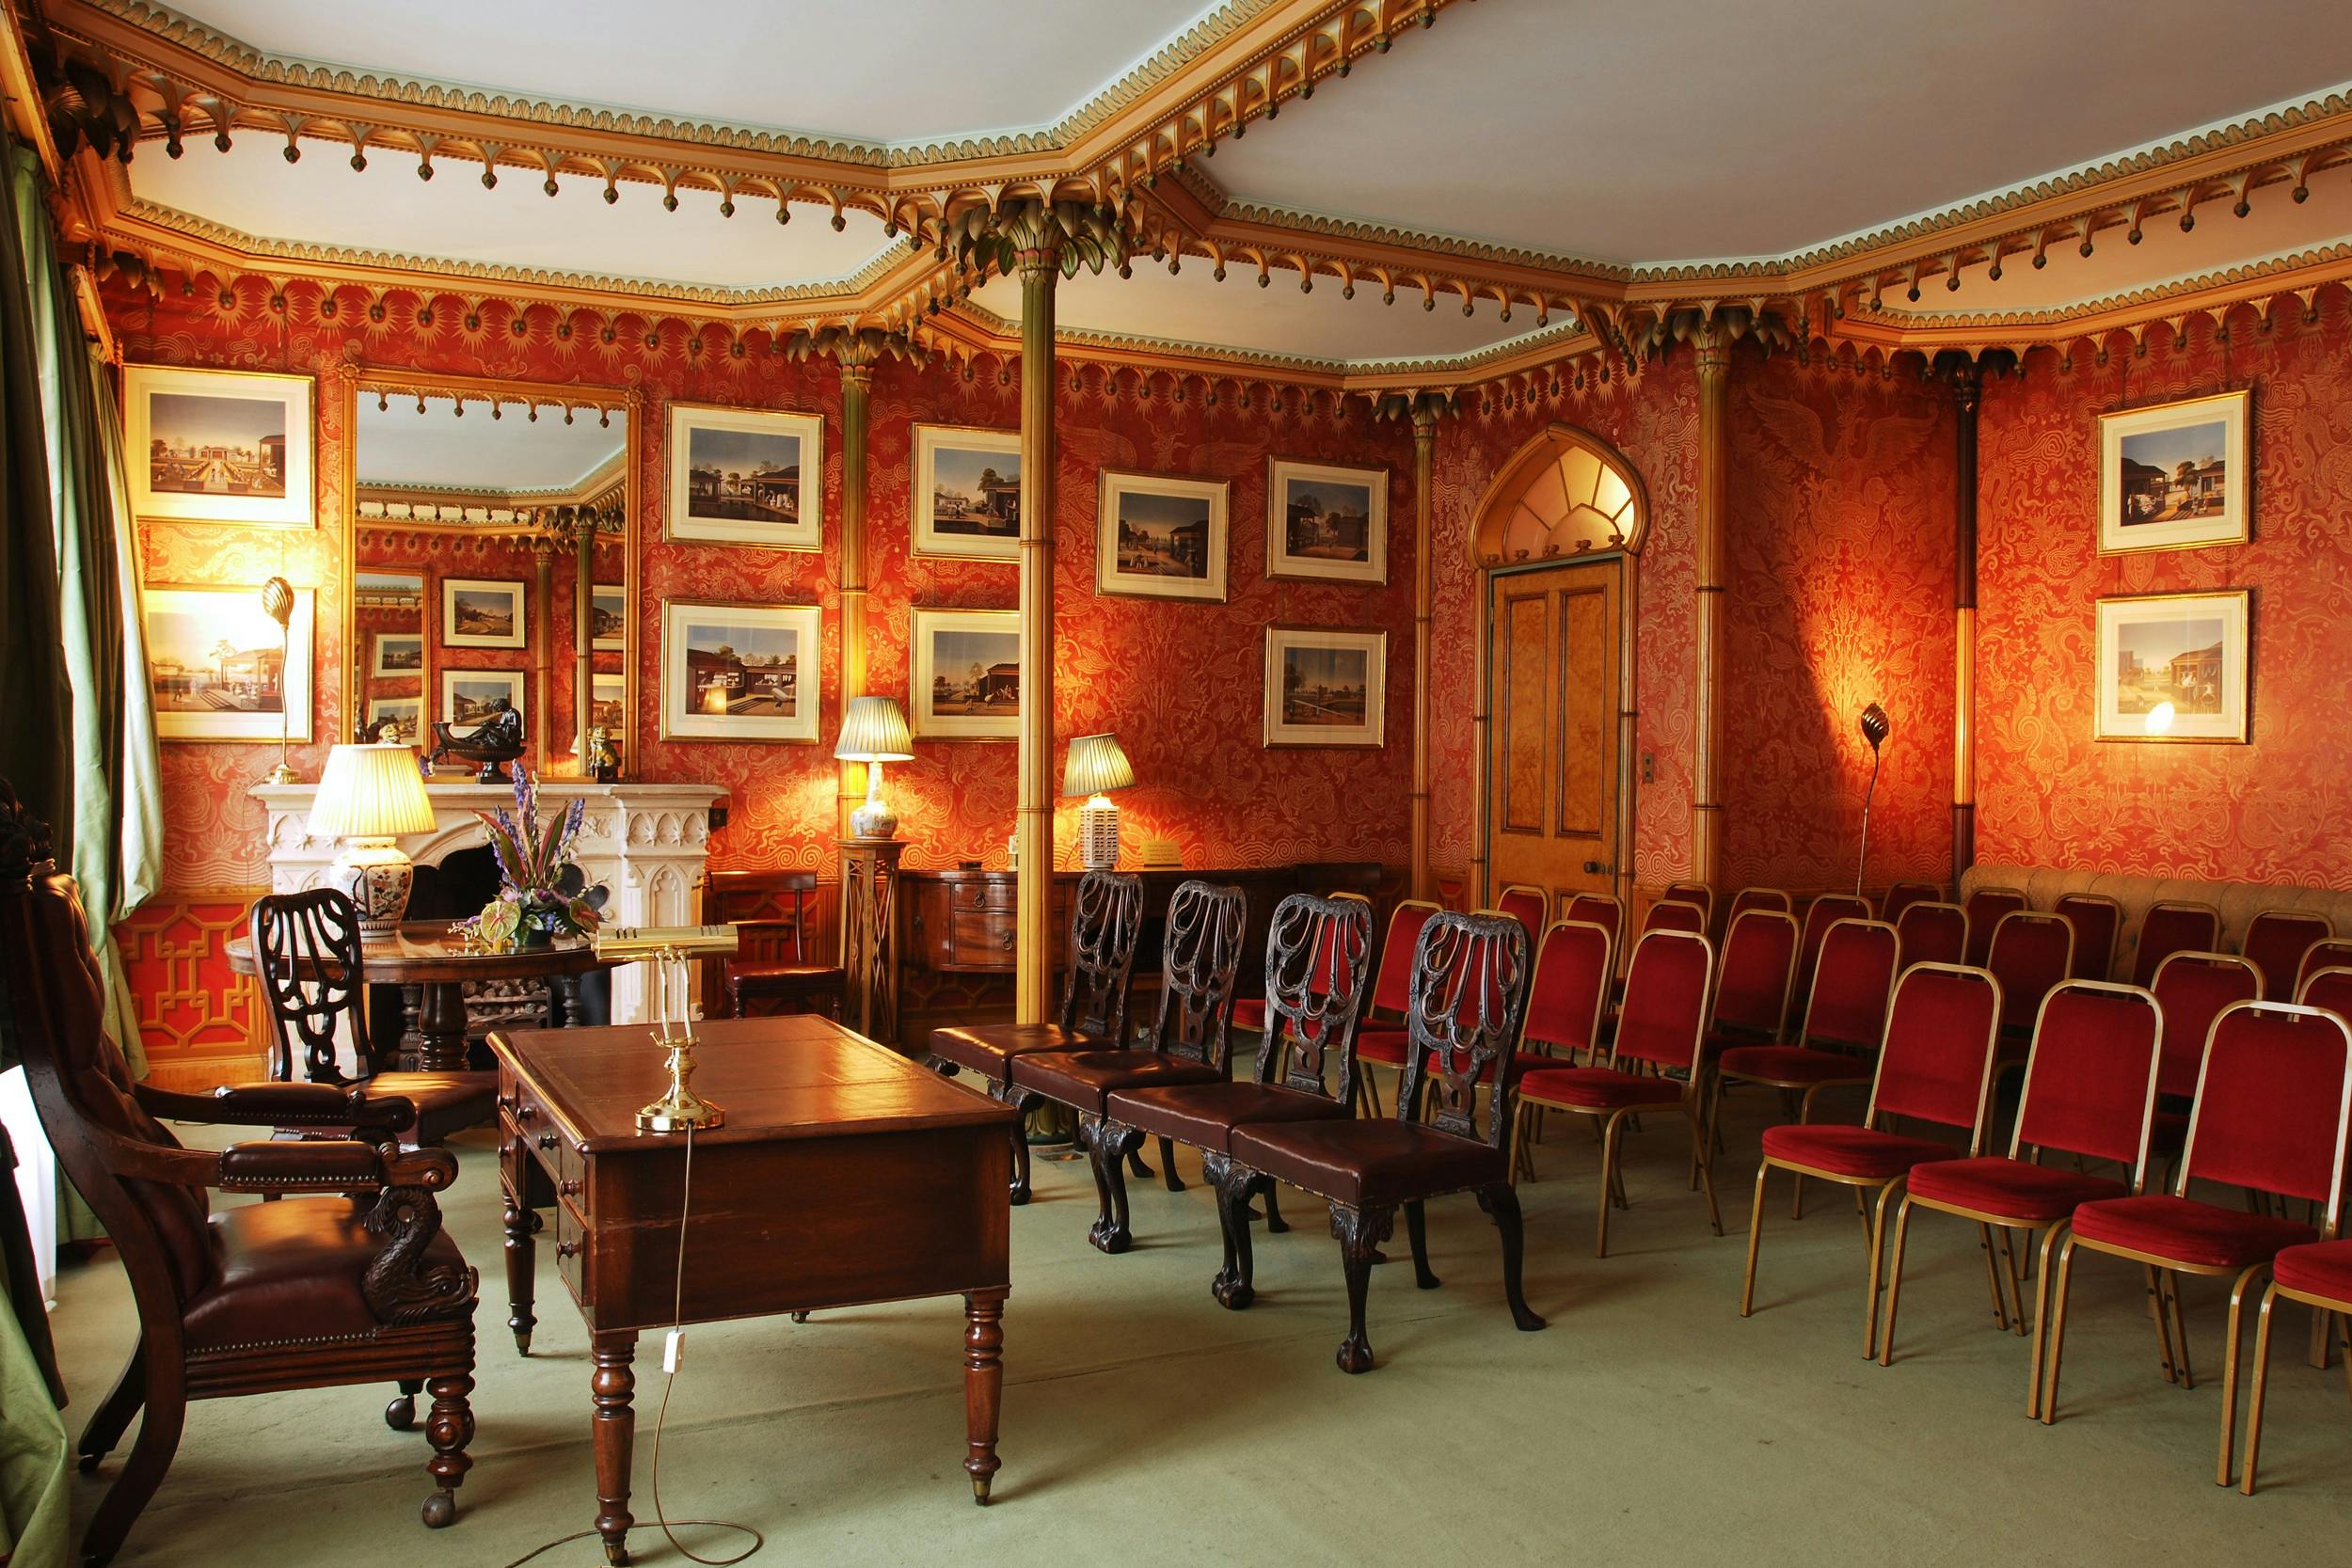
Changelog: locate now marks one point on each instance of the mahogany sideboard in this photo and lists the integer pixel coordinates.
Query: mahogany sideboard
(956, 936)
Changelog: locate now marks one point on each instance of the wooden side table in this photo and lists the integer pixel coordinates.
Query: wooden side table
(869, 936)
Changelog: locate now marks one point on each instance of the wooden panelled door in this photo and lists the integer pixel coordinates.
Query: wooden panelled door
(1553, 666)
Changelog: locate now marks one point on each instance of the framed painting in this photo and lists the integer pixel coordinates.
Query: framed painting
(397, 654)
(481, 612)
(404, 714)
(1325, 686)
(967, 491)
(2177, 476)
(2173, 667)
(218, 669)
(469, 696)
(1160, 537)
(735, 672)
(607, 695)
(966, 675)
(608, 619)
(745, 476)
(219, 446)
(1326, 522)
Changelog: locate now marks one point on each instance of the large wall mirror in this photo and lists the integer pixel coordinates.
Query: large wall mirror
(492, 554)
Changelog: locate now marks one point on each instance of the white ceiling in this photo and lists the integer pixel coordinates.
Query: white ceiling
(322, 200)
(1679, 130)
(1193, 308)
(900, 70)
(400, 446)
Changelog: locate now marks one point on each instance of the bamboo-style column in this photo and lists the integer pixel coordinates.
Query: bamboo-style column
(1712, 345)
(857, 383)
(1426, 409)
(544, 544)
(1038, 260)
(583, 633)
(1966, 378)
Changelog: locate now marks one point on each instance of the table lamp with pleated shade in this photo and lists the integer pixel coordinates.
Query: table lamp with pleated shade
(1095, 767)
(873, 732)
(370, 796)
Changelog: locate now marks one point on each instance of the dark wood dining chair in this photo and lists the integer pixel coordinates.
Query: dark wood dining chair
(1469, 994)
(349, 1280)
(1105, 920)
(306, 952)
(769, 912)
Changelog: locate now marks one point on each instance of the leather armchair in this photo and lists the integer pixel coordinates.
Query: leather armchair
(348, 1278)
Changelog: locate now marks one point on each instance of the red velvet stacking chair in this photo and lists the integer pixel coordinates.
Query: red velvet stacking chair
(2090, 1083)
(1758, 899)
(1694, 893)
(2030, 955)
(1530, 906)
(1662, 1029)
(2169, 927)
(1380, 1036)
(1985, 907)
(1468, 995)
(1601, 910)
(1567, 996)
(2318, 1275)
(2192, 988)
(1838, 1045)
(2276, 941)
(1105, 918)
(1674, 915)
(1819, 915)
(1901, 895)
(1928, 932)
(2335, 953)
(2273, 1105)
(1317, 958)
(1936, 1066)
(2098, 920)
(1753, 976)
(2330, 989)
(1189, 1042)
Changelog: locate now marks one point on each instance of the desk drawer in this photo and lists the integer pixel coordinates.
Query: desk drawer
(575, 1251)
(982, 938)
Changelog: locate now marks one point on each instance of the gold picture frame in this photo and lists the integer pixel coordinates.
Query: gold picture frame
(956, 688)
(1325, 687)
(740, 672)
(2175, 667)
(753, 477)
(2177, 476)
(218, 669)
(1161, 536)
(1326, 522)
(965, 495)
(221, 446)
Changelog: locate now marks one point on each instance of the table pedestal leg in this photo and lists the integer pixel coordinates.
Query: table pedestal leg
(617, 1432)
(520, 1283)
(984, 1386)
(443, 1027)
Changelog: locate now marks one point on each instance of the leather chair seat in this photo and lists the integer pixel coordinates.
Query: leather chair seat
(2316, 1268)
(1598, 1088)
(445, 1101)
(989, 1048)
(2200, 1234)
(290, 1271)
(1204, 1116)
(1857, 1151)
(1366, 1163)
(2037, 1194)
(1794, 1066)
(1083, 1080)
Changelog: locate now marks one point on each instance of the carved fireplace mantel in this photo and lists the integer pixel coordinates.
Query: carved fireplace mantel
(647, 842)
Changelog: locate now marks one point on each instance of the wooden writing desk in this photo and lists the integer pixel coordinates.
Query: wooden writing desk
(845, 1174)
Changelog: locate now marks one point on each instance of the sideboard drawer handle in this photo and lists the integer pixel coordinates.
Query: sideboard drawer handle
(546, 1140)
(567, 1249)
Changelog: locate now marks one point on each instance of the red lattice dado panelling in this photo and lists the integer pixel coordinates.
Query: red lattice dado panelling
(2047, 793)
(201, 1024)
(1837, 552)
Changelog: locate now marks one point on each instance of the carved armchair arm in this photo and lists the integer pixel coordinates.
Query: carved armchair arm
(273, 1104)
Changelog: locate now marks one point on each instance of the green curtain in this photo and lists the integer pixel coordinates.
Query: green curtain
(37, 753)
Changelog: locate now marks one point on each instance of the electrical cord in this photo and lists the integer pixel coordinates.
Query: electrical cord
(669, 1381)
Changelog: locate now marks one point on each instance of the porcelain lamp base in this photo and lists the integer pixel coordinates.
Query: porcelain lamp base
(378, 873)
(1098, 835)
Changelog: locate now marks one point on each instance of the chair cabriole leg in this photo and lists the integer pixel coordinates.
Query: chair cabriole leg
(1417, 1231)
(1359, 1233)
(1503, 1203)
(1231, 1180)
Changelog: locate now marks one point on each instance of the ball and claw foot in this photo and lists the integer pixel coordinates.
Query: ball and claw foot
(440, 1511)
(401, 1416)
(1231, 1292)
(1113, 1239)
(1355, 1354)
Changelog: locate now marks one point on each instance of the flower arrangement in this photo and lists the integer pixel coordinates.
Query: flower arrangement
(545, 894)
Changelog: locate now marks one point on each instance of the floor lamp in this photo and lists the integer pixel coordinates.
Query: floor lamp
(1874, 730)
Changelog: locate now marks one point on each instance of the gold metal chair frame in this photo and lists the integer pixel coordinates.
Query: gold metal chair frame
(2324, 1306)
(1874, 1217)
(1987, 1221)
(2168, 1297)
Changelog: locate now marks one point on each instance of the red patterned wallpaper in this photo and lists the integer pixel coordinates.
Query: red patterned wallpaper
(1650, 414)
(2048, 793)
(1838, 592)
(1180, 682)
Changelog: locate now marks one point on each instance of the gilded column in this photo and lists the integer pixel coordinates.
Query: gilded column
(544, 541)
(1967, 383)
(1712, 345)
(857, 383)
(583, 632)
(1038, 260)
(1426, 408)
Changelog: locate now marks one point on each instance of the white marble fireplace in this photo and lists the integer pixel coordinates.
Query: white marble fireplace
(647, 842)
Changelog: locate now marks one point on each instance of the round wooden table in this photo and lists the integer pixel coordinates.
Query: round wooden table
(432, 965)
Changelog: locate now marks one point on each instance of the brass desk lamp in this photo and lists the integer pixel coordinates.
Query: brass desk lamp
(670, 949)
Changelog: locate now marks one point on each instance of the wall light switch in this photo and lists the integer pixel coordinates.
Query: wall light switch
(1649, 768)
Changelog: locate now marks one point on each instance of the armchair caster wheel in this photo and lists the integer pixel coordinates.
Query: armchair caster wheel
(616, 1556)
(440, 1511)
(522, 1343)
(799, 1317)
(401, 1416)
(979, 1490)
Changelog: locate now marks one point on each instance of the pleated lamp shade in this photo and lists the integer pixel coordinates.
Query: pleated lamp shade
(874, 730)
(369, 796)
(1095, 766)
